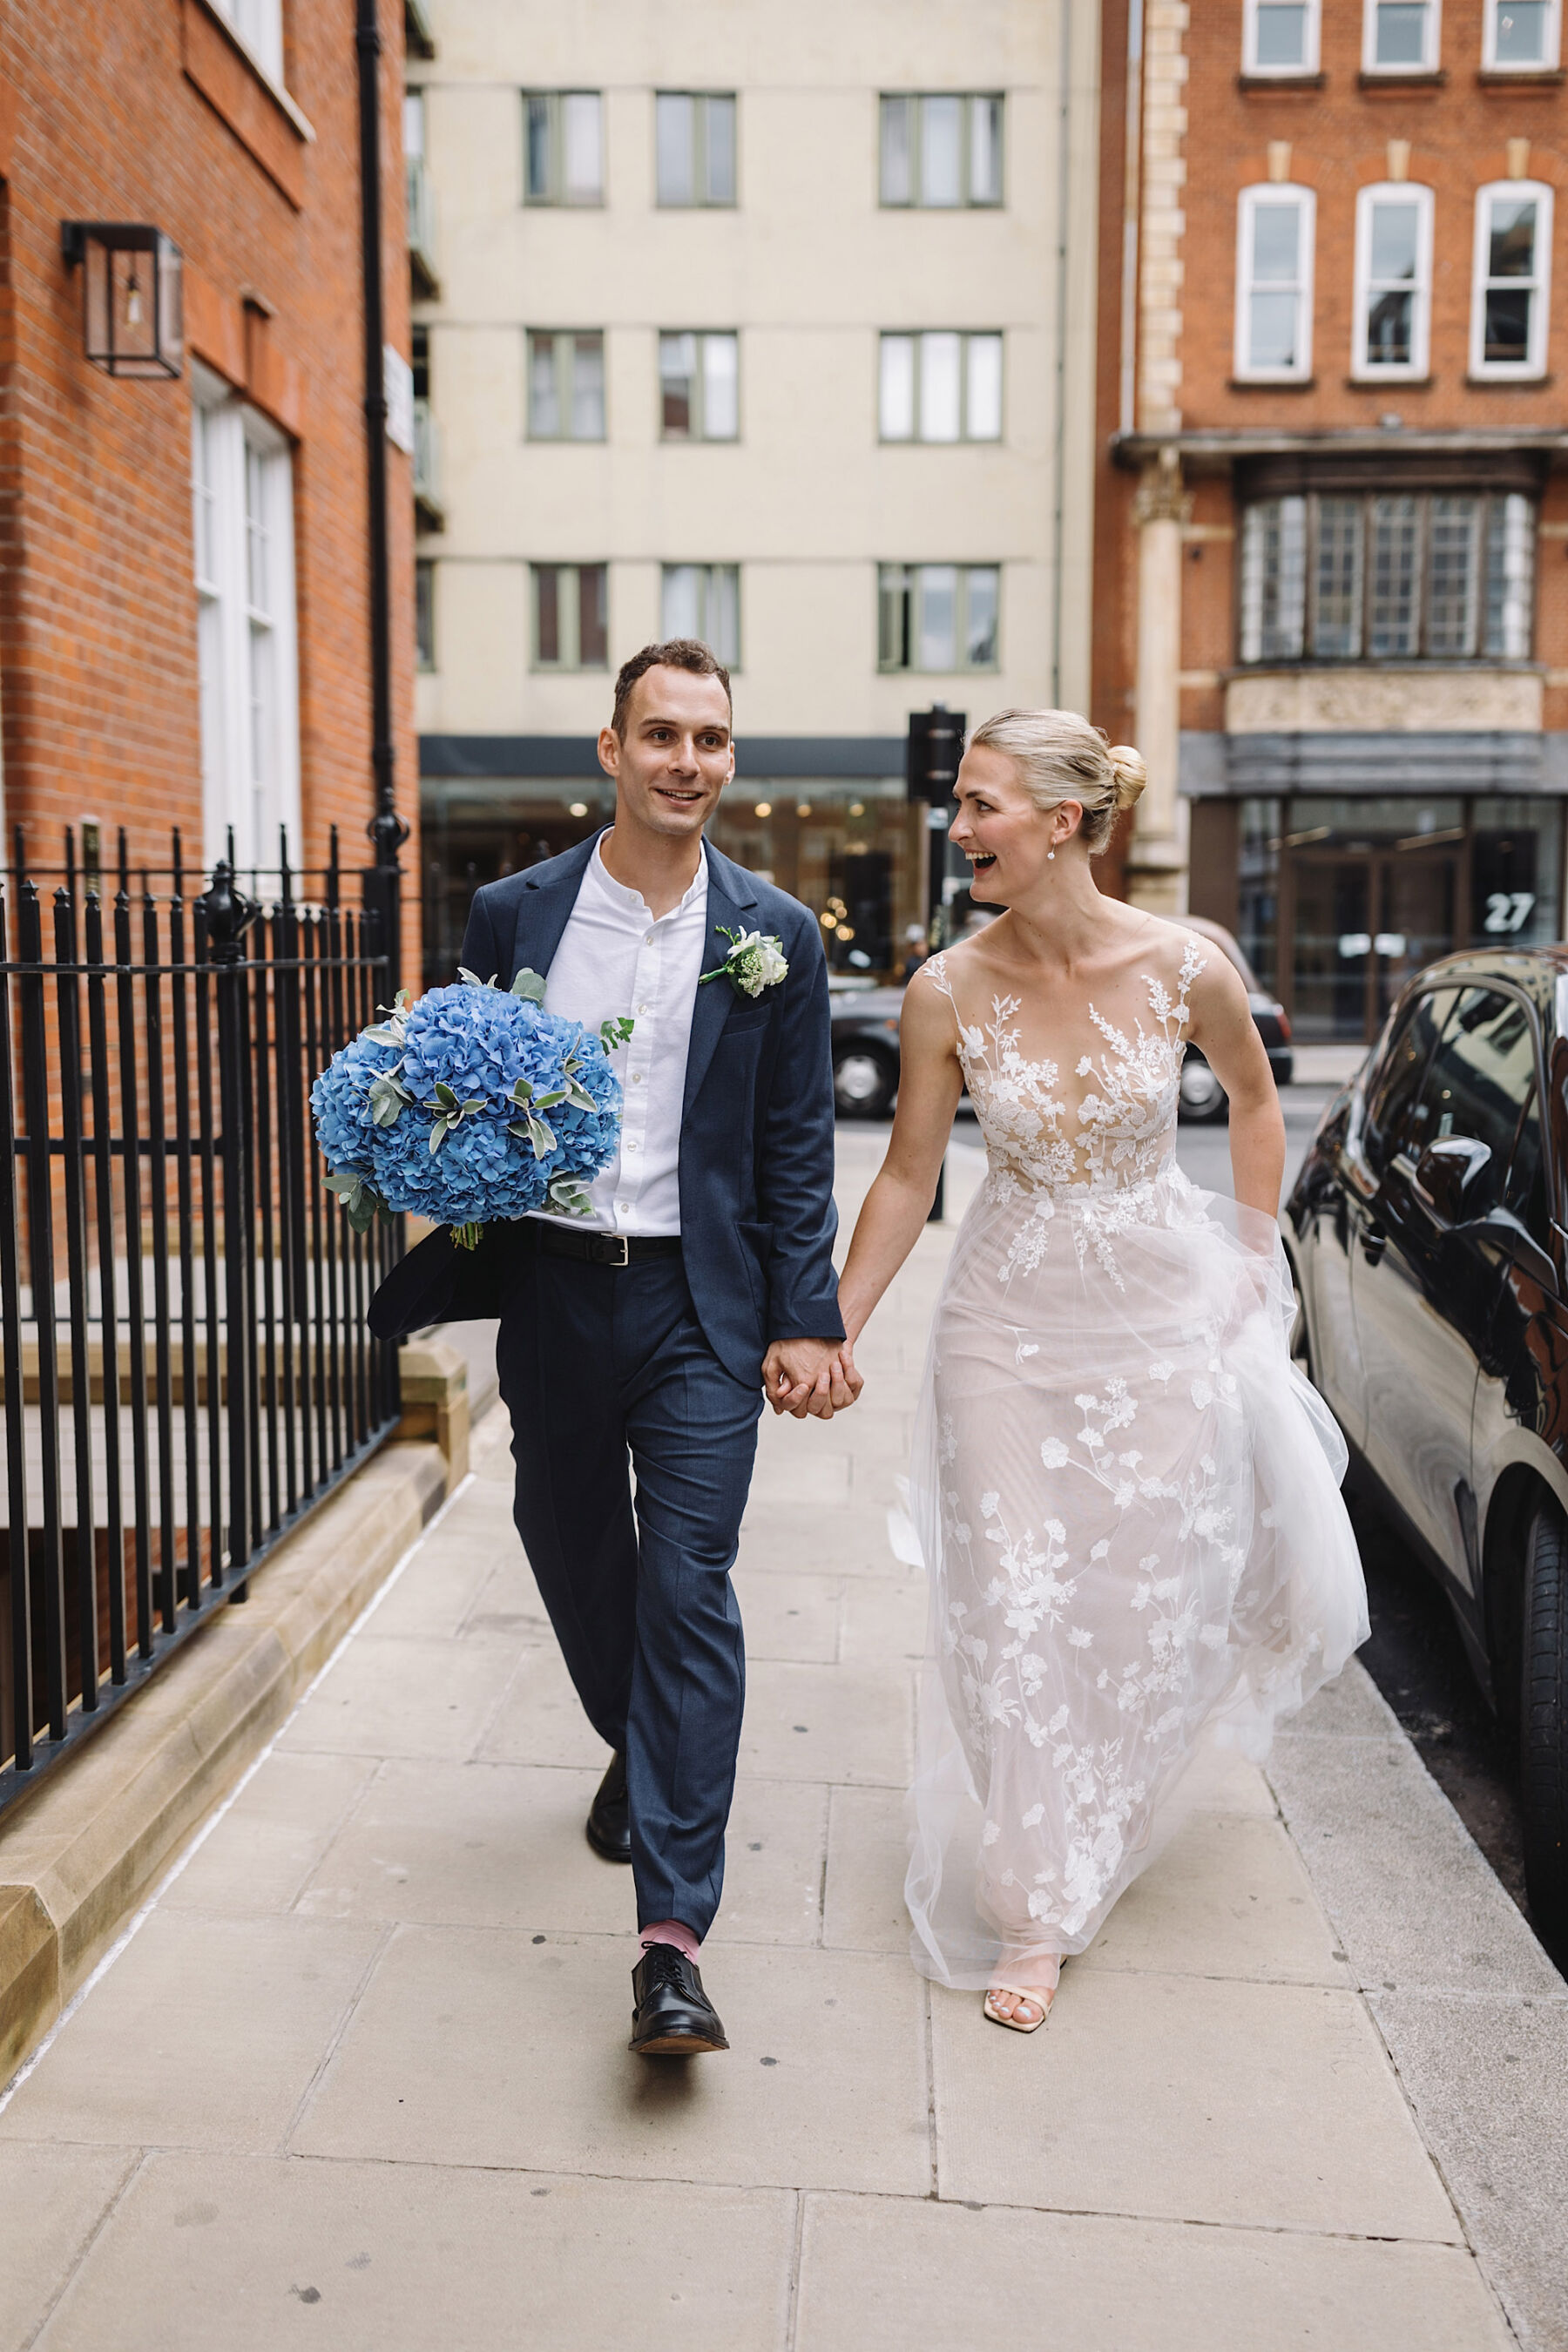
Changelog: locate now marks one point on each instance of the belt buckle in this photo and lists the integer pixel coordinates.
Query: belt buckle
(615, 1249)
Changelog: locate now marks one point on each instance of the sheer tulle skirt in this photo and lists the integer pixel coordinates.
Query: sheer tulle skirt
(1127, 1498)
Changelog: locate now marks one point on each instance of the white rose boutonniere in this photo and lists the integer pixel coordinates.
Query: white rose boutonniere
(755, 962)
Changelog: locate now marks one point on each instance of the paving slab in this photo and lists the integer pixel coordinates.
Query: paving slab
(475, 2047)
(1183, 2098)
(541, 1719)
(1228, 1896)
(274, 1835)
(1487, 2081)
(433, 1699)
(262, 2255)
(867, 1855)
(880, 2275)
(884, 1618)
(789, 1616)
(206, 2033)
(850, 1724)
(53, 2199)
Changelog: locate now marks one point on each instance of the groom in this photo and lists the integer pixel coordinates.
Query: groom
(647, 1334)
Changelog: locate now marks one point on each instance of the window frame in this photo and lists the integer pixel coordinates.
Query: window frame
(1431, 62)
(569, 610)
(1418, 366)
(1249, 200)
(1493, 503)
(1312, 46)
(1533, 368)
(706, 576)
(1547, 63)
(700, 100)
(909, 587)
(231, 630)
(968, 99)
(964, 438)
(701, 336)
(557, 195)
(264, 47)
(565, 339)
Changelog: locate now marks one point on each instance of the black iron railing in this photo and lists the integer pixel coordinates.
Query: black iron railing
(185, 1362)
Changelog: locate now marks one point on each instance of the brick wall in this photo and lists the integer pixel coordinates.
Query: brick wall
(146, 110)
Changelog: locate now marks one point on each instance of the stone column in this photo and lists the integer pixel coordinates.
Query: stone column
(1157, 855)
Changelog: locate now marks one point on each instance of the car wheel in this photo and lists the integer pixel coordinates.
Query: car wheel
(864, 1082)
(1202, 1096)
(1543, 1726)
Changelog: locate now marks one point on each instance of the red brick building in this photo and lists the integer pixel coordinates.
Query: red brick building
(1332, 524)
(185, 564)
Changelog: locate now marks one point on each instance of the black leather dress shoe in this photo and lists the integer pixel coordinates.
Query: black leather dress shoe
(672, 2016)
(609, 1830)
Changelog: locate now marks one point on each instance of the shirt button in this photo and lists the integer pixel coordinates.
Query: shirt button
(631, 1143)
(645, 1008)
(637, 1077)
(623, 1209)
(647, 943)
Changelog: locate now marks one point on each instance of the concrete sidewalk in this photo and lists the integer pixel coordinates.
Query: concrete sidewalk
(360, 2078)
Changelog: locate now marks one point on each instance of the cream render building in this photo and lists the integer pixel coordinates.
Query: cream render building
(774, 326)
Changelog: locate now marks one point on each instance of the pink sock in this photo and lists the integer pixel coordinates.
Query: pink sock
(670, 1931)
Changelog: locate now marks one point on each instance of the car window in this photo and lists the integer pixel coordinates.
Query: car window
(1396, 1083)
(1526, 1188)
(1475, 1085)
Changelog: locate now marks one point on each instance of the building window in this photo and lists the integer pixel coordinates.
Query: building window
(565, 386)
(694, 141)
(243, 516)
(1274, 285)
(1520, 35)
(563, 147)
(941, 151)
(941, 387)
(1513, 260)
(703, 600)
(1400, 36)
(937, 616)
(1414, 575)
(424, 614)
(571, 626)
(1393, 281)
(1281, 37)
(259, 25)
(699, 387)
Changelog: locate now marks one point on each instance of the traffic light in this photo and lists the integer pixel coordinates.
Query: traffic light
(933, 754)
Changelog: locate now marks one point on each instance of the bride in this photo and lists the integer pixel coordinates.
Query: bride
(1125, 1494)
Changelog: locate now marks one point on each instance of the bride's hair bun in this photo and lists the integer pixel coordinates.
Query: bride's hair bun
(1131, 774)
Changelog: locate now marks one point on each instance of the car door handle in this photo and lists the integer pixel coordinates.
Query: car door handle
(1373, 1241)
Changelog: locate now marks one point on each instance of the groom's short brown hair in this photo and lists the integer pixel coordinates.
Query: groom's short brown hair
(676, 653)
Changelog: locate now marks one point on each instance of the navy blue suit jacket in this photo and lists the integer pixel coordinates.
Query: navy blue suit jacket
(757, 1219)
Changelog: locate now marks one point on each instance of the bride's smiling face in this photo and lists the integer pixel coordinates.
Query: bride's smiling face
(1006, 838)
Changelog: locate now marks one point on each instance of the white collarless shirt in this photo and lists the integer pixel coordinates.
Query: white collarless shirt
(616, 957)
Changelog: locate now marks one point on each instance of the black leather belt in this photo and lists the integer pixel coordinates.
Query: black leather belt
(596, 1248)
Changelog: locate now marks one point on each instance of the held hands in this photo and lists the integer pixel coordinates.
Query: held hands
(815, 1377)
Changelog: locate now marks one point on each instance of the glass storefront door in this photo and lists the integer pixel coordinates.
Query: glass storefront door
(1343, 899)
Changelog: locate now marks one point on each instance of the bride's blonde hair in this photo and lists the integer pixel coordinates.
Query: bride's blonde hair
(1060, 757)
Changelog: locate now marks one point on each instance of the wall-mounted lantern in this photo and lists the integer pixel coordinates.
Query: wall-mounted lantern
(132, 314)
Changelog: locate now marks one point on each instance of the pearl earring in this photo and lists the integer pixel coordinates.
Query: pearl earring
(1050, 854)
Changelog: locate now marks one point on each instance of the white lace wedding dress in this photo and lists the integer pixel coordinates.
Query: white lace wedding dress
(1126, 1495)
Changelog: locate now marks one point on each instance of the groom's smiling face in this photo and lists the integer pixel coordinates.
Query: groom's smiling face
(676, 756)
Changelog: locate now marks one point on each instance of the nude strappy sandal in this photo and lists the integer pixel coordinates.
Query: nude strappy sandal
(1041, 2001)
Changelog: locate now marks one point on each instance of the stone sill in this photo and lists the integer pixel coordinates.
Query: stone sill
(1417, 83)
(1271, 384)
(1522, 78)
(1289, 84)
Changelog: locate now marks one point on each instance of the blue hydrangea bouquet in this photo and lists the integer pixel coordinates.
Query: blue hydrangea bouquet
(472, 1105)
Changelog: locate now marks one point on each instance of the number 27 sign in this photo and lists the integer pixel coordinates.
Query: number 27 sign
(1508, 910)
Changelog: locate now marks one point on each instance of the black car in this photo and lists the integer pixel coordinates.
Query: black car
(866, 1044)
(1426, 1234)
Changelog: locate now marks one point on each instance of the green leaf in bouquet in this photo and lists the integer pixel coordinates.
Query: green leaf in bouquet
(522, 1093)
(579, 1097)
(616, 1032)
(571, 1196)
(471, 978)
(530, 1129)
(530, 986)
(360, 1202)
(388, 1099)
(383, 1033)
(438, 1135)
(549, 1101)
